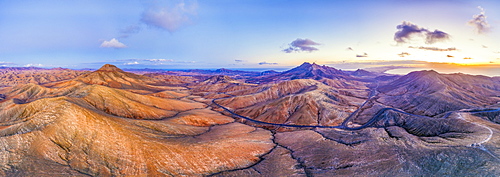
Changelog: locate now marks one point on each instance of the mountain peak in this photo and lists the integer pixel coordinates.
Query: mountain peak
(306, 64)
(223, 70)
(109, 68)
(220, 79)
(307, 67)
(312, 65)
(362, 72)
(424, 73)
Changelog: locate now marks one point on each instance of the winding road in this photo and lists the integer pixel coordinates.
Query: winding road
(378, 117)
(481, 125)
(374, 119)
(373, 93)
(343, 126)
(480, 145)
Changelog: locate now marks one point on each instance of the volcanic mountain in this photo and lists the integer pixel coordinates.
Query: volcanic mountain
(430, 93)
(309, 71)
(362, 72)
(304, 71)
(111, 76)
(328, 75)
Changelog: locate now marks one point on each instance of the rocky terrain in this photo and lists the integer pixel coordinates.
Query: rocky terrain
(10, 76)
(311, 120)
(98, 124)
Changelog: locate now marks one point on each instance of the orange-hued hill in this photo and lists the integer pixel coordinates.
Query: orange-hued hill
(15, 76)
(94, 125)
(311, 120)
(172, 79)
(219, 86)
(111, 76)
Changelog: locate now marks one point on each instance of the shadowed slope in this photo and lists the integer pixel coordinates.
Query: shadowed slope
(299, 102)
(430, 93)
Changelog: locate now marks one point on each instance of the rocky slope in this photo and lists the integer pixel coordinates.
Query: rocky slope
(219, 86)
(15, 76)
(296, 102)
(172, 79)
(430, 93)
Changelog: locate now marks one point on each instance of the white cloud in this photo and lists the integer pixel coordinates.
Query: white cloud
(33, 65)
(170, 18)
(113, 43)
(4, 63)
(160, 60)
(132, 63)
(479, 22)
(136, 61)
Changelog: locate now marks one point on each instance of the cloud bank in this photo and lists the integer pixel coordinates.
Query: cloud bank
(267, 63)
(434, 48)
(436, 36)
(136, 62)
(34, 65)
(363, 55)
(113, 43)
(479, 22)
(408, 30)
(403, 54)
(4, 64)
(301, 45)
(170, 18)
(146, 61)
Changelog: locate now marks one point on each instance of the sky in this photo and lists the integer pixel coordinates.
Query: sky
(457, 35)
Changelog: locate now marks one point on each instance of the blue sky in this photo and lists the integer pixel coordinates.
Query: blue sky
(247, 34)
